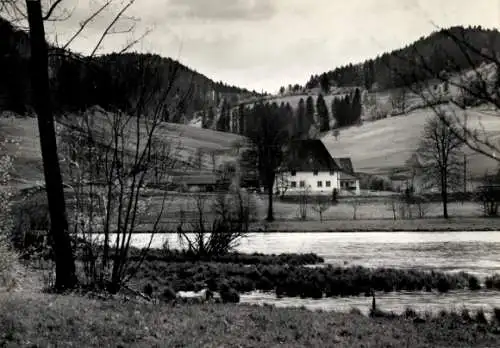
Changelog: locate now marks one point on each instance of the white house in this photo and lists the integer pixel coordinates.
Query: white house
(310, 166)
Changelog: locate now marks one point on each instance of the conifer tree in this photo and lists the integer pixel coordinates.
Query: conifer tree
(324, 119)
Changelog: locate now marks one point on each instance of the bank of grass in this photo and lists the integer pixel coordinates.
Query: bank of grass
(41, 320)
(294, 281)
(231, 257)
(383, 225)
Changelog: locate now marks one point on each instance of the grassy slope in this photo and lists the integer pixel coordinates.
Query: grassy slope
(43, 320)
(380, 146)
(28, 166)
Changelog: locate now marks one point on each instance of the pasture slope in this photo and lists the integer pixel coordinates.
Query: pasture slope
(381, 146)
(22, 141)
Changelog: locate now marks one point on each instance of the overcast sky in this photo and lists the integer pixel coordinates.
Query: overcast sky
(264, 44)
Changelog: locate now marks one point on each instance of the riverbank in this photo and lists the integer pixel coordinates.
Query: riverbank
(382, 225)
(37, 319)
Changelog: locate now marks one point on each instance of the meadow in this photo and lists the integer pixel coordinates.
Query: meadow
(381, 146)
(22, 141)
(50, 320)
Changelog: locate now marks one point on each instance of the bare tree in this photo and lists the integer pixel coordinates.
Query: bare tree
(480, 85)
(355, 203)
(282, 184)
(489, 194)
(64, 259)
(31, 12)
(268, 135)
(219, 224)
(440, 153)
(321, 203)
(133, 153)
(304, 201)
(399, 100)
(393, 203)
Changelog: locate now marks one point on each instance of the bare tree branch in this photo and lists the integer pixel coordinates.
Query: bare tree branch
(51, 9)
(110, 26)
(84, 24)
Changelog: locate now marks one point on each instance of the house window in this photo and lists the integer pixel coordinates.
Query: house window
(315, 172)
(293, 184)
(320, 183)
(302, 183)
(293, 172)
(328, 184)
(332, 173)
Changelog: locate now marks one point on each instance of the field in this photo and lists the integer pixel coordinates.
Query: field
(381, 146)
(38, 320)
(22, 142)
(376, 209)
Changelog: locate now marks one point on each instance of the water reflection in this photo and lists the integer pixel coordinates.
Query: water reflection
(474, 252)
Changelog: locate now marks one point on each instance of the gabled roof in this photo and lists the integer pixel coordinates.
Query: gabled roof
(345, 164)
(310, 155)
(346, 176)
(200, 179)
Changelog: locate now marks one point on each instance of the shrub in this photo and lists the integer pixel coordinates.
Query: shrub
(7, 256)
(481, 317)
(443, 285)
(496, 314)
(465, 315)
(168, 294)
(474, 283)
(493, 282)
(148, 290)
(31, 219)
(229, 295)
(410, 313)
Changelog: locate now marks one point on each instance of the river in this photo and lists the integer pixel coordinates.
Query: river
(474, 252)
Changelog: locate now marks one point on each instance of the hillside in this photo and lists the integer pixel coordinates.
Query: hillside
(382, 146)
(110, 81)
(453, 50)
(23, 143)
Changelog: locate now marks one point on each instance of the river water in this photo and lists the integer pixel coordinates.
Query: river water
(474, 252)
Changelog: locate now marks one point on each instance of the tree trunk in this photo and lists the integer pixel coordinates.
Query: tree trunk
(444, 195)
(64, 259)
(270, 215)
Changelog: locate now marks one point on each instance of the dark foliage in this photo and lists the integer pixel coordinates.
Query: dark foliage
(296, 281)
(268, 134)
(347, 110)
(493, 282)
(441, 54)
(231, 257)
(323, 116)
(78, 82)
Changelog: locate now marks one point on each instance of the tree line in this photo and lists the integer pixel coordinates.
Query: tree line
(412, 63)
(346, 111)
(78, 82)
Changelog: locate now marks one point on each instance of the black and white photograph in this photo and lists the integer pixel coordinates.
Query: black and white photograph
(250, 173)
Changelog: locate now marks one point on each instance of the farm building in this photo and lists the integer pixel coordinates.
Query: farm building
(206, 182)
(310, 166)
(347, 177)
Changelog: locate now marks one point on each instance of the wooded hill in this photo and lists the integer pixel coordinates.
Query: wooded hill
(110, 81)
(448, 50)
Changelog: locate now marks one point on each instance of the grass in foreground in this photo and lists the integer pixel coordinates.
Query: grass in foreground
(385, 225)
(46, 320)
(294, 281)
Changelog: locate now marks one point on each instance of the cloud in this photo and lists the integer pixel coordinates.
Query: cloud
(252, 10)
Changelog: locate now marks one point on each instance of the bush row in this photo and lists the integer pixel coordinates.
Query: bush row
(232, 257)
(493, 282)
(299, 281)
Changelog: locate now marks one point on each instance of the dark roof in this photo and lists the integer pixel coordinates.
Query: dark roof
(346, 176)
(345, 165)
(207, 179)
(310, 155)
